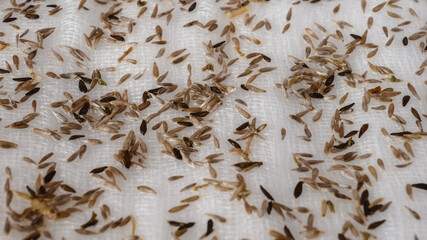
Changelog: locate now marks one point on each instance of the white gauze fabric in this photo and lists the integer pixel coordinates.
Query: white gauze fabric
(276, 175)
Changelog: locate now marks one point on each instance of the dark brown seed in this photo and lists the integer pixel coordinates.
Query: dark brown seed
(422, 186)
(405, 41)
(375, 224)
(330, 80)
(127, 159)
(192, 7)
(243, 126)
(363, 129)
(186, 124)
(49, 176)
(298, 189)
(218, 44)
(74, 137)
(82, 87)
(85, 109)
(288, 233)
(32, 91)
(266, 193)
(177, 153)
(143, 127)
(98, 170)
(316, 95)
(234, 143)
(405, 100)
(345, 108)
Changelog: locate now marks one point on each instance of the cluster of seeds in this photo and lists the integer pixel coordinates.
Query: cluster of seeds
(327, 63)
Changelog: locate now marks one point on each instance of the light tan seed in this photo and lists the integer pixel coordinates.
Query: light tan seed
(386, 135)
(380, 163)
(393, 15)
(413, 91)
(146, 189)
(242, 112)
(409, 191)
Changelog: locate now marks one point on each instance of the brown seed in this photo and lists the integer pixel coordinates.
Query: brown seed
(372, 53)
(289, 15)
(7, 145)
(363, 129)
(388, 43)
(178, 208)
(286, 28)
(191, 199)
(413, 91)
(337, 9)
(413, 213)
(180, 59)
(374, 225)
(283, 133)
(379, 7)
(174, 178)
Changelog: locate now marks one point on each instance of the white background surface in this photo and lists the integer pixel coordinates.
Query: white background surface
(275, 175)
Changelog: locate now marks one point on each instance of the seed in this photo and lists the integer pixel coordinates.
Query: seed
(422, 186)
(286, 28)
(363, 129)
(146, 189)
(374, 225)
(413, 213)
(298, 189)
(191, 199)
(143, 127)
(177, 153)
(409, 191)
(8, 145)
(405, 41)
(242, 112)
(266, 193)
(192, 7)
(336, 9)
(174, 178)
(181, 59)
(178, 208)
(283, 133)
